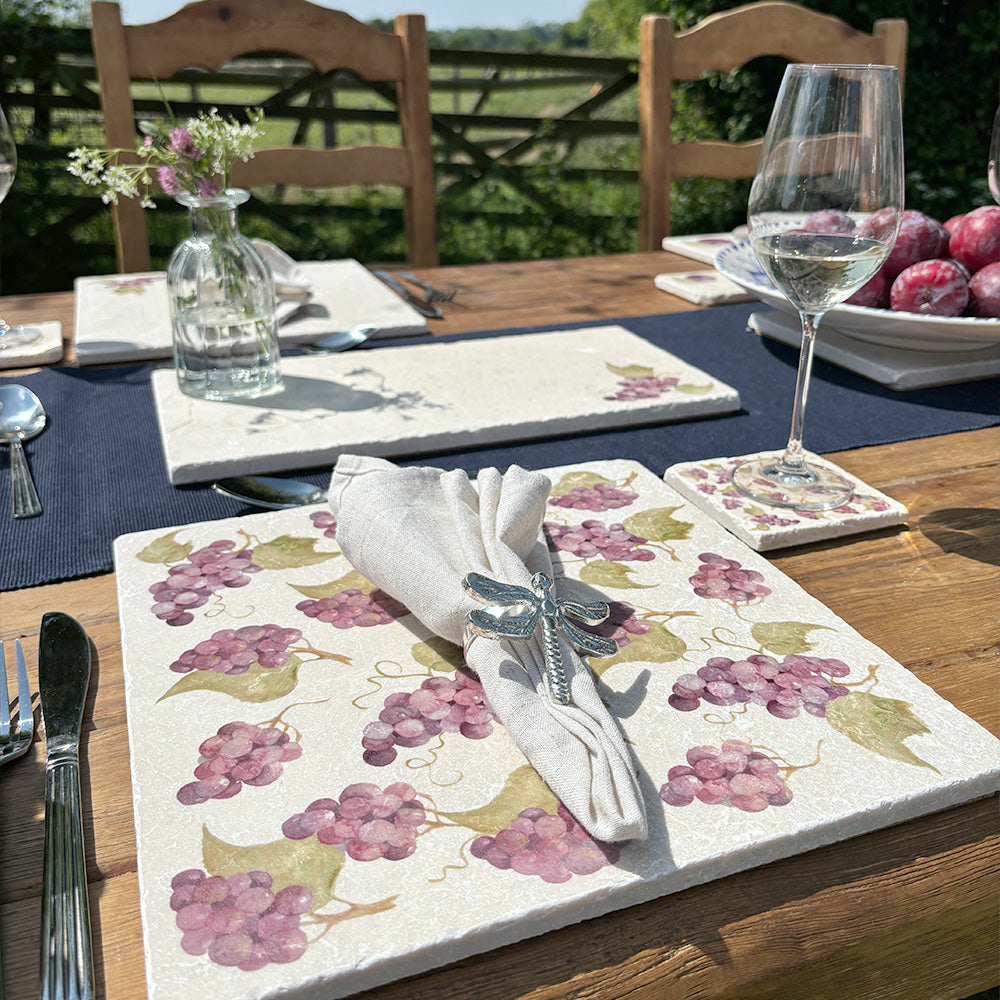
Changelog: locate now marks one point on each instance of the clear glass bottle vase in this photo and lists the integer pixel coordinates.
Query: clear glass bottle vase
(221, 294)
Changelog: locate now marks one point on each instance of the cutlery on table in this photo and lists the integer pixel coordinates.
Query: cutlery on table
(270, 492)
(342, 340)
(422, 306)
(22, 416)
(14, 741)
(67, 964)
(431, 292)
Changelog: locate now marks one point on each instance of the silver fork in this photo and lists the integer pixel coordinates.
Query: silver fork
(431, 293)
(16, 742)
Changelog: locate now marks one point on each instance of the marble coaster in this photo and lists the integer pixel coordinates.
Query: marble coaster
(431, 396)
(702, 246)
(891, 366)
(706, 484)
(705, 288)
(125, 317)
(42, 352)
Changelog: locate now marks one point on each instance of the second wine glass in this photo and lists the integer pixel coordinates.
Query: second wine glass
(823, 214)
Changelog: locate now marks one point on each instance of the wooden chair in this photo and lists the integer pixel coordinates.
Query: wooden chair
(724, 42)
(208, 33)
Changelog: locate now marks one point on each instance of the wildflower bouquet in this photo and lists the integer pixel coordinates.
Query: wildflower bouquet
(196, 158)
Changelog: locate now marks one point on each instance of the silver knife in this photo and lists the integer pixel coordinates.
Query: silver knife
(423, 307)
(63, 677)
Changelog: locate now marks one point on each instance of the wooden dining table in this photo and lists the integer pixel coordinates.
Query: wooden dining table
(909, 911)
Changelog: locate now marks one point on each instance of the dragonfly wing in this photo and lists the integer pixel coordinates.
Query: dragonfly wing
(593, 613)
(508, 626)
(493, 592)
(596, 645)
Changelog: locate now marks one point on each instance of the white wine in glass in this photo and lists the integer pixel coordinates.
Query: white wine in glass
(823, 214)
(11, 336)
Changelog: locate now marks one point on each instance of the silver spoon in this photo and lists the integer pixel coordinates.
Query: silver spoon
(21, 418)
(342, 340)
(270, 492)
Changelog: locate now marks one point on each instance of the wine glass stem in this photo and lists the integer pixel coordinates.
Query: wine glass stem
(792, 462)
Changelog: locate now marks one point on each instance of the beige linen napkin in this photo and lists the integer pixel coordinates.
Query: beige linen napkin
(292, 289)
(416, 533)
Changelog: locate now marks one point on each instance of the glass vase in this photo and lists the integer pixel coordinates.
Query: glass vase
(221, 294)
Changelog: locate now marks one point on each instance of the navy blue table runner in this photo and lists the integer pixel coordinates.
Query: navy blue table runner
(100, 471)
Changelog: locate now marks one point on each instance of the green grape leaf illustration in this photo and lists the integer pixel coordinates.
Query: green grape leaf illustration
(784, 638)
(630, 371)
(438, 654)
(256, 685)
(579, 479)
(166, 550)
(523, 788)
(658, 524)
(695, 390)
(289, 862)
(658, 645)
(350, 581)
(878, 724)
(289, 552)
(604, 573)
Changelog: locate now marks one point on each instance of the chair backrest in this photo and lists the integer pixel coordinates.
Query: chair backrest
(724, 42)
(208, 33)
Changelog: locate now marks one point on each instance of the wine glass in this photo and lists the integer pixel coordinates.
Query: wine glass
(823, 214)
(11, 336)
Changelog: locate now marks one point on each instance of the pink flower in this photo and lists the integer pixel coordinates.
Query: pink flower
(207, 188)
(168, 180)
(182, 144)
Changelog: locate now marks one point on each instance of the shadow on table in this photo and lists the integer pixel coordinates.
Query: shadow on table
(973, 532)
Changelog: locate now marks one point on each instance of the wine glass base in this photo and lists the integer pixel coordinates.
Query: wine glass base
(806, 487)
(18, 336)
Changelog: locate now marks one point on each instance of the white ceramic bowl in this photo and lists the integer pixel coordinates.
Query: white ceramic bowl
(910, 331)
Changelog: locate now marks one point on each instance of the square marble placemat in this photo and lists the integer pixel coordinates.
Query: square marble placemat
(700, 246)
(706, 288)
(427, 397)
(262, 643)
(125, 317)
(707, 485)
(43, 352)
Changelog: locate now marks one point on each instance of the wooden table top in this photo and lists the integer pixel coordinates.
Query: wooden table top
(907, 912)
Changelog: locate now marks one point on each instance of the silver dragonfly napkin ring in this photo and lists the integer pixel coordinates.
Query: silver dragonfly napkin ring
(515, 613)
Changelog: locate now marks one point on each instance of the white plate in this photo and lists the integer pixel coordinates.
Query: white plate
(909, 331)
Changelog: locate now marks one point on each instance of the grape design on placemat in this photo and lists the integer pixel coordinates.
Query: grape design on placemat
(349, 602)
(196, 575)
(440, 705)
(552, 847)
(325, 521)
(642, 382)
(240, 753)
(589, 491)
(726, 580)
(735, 774)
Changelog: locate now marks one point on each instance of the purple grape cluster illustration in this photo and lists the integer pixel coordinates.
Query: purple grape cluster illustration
(553, 848)
(366, 822)
(734, 774)
(595, 539)
(726, 580)
(353, 608)
(235, 651)
(645, 387)
(191, 583)
(600, 496)
(239, 754)
(783, 687)
(620, 625)
(325, 521)
(441, 704)
(240, 921)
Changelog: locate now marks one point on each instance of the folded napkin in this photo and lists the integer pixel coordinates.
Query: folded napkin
(416, 533)
(292, 289)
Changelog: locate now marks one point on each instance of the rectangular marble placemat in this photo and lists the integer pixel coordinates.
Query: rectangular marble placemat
(894, 367)
(428, 397)
(324, 803)
(125, 317)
